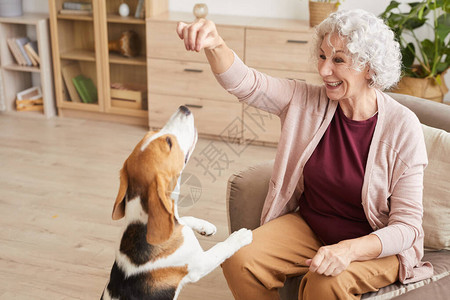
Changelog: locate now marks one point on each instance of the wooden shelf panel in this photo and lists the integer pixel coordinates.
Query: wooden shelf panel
(25, 19)
(126, 20)
(80, 106)
(118, 59)
(76, 17)
(79, 54)
(14, 67)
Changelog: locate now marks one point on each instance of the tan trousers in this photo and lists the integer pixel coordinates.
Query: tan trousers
(279, 250)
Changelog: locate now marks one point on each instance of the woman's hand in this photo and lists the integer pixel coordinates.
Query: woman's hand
(332, 260)
(201, 34)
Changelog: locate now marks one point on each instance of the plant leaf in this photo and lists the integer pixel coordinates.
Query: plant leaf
(428, 49)
(414, 23)
(393, 5)
(441, 67)
(408, 55)
(443, 26)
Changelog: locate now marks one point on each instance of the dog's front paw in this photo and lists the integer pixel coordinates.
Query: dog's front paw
(241, 238)
(207, 229)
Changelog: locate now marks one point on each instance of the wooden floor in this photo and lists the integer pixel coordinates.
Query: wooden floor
(58, 182)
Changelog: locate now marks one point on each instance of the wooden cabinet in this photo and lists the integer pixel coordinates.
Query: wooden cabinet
(164, 75)
(17, 78)
(81, 46)
(185, 78)
(280, 48)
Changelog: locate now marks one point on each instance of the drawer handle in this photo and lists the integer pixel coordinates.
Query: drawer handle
(193, 106)
(193, 70)
(296, 79)
(297, 41)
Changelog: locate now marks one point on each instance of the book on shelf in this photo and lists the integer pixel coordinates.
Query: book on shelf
(33, 60)
(32, 50)
(139, 14)
(15, 51)
(86, 88)
(21, 41)
(75, 12)
(68, 72)
(77, 5)
(19, 49)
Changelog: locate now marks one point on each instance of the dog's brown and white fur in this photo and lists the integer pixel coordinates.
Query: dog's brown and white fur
(158, 252)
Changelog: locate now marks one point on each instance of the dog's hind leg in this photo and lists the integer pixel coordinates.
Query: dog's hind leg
(211, 259)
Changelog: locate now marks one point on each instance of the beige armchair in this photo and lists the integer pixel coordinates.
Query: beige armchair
(247, 190)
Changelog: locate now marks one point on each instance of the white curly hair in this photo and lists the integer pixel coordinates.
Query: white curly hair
(370, 42)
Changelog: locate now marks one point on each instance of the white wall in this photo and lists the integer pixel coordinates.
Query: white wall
(293, 9)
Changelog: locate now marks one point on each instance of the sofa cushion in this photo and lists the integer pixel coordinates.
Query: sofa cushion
(441, 264)
(436, 196)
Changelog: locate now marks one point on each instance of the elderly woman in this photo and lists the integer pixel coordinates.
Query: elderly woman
(344, 206)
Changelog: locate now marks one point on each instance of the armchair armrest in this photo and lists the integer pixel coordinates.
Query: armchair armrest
(246, 192)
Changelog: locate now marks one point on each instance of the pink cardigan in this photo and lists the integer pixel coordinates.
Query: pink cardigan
(393, 181)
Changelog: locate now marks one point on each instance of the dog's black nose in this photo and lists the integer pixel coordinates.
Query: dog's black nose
(185, 110)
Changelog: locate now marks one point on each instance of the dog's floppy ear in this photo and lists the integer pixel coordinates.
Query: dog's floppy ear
(160, 212)
(119, 205)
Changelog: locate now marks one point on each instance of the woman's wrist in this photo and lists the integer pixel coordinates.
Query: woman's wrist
(364, 248)
(220, 57)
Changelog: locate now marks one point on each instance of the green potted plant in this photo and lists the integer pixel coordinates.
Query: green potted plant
(426, 60)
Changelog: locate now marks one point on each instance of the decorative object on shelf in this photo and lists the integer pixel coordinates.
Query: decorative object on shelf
(319, 10)
(139, 13)
(125, 96)
(30, 100)
(32, 93)
(11, 8)
(200, 10)
(425, 61)
(128, 44)
(30, 105)
(124, 10)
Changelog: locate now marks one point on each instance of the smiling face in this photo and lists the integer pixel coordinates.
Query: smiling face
(335, 68)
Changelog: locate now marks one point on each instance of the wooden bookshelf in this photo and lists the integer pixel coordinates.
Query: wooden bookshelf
(83, 40)
(17, 78)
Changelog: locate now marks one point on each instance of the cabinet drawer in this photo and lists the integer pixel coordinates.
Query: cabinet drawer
(163, 42)
(309, 77)
(211, 117)
(260, 125)
(283, 50)
(188, 79)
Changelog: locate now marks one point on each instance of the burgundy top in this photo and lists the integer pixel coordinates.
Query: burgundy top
(333, 179)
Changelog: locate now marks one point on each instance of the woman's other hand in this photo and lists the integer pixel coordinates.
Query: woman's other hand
(332, 260)
(201, 34)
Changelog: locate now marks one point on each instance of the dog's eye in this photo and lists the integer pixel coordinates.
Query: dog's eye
(169, 142)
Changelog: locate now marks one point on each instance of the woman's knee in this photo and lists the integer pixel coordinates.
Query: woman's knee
(236, 262)
(317, 286)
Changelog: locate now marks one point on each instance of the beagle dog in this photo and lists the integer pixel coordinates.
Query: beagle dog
(158, 252)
